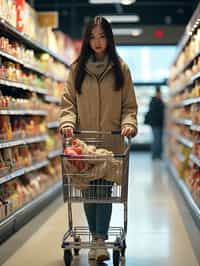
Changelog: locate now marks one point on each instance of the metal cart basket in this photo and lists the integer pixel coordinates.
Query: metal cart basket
(83, 181)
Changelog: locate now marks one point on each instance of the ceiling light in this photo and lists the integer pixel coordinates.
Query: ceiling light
(104, 1)
(123, 2)
(133, 32)
(127, 2)
(126, 19)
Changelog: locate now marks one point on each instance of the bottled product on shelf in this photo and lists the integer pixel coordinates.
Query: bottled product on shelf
(183, 123)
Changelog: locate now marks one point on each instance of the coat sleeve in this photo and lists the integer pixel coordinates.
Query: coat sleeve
(129, 104)
(68, 111)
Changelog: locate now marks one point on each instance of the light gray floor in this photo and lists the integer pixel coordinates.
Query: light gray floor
(157, 231)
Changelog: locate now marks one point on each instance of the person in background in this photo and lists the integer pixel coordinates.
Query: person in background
(157, 112)
(99, 95)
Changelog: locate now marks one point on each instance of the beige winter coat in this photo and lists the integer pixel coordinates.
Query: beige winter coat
(99, 106)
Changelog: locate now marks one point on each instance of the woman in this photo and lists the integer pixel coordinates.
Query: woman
(99, 96)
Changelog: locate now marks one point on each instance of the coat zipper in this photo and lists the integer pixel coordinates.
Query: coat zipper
(99, 98)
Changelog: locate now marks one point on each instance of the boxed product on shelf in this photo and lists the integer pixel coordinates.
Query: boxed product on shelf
(52, 116)
(193, 182)
(2, 209)
(26, 18)
(14, 128)
(5, 129)
(4, 169)
(29, 21)
(53, 141)
(8, 11)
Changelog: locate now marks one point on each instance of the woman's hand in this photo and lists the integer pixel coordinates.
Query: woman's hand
(128, 131)
(68, 132)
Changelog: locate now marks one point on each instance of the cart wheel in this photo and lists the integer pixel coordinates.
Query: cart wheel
(116, 257)
(76, 250)
(123, 250)
(67, 257)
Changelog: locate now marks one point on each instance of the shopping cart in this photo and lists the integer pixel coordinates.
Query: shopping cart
(78, 171)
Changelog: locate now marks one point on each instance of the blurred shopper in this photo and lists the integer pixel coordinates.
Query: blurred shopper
(99, 96)
(155, 118)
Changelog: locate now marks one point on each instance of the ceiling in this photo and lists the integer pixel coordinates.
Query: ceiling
(73, 14)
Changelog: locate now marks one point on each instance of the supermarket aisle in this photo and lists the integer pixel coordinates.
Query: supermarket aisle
(156, 233)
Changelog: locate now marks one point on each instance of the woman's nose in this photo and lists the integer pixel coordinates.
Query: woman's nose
(97, 41)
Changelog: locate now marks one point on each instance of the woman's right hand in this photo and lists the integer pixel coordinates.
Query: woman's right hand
(67, 132)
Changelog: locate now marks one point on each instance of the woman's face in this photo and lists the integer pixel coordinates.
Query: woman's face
(98, 41)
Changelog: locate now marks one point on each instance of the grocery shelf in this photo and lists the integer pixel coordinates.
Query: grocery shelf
(182, 121)
(23, 171)
(52, 99)
(187, 102)
(36, 139)
(36, 166)
(11, 176)
(10, 57)
(193, 206)
(196, 76)
(184, 86)
(191, 27)
(29, 66)
(188, 64)
(13, 32)
(54, 153)
(195, 159)
(14, 221)
(195, 128)
(23, 112)
(24, 141)
(178, 154)
(22, 86)
(183, 140)
(54, 124)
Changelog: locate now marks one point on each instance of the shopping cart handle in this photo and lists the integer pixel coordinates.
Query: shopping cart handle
(113, 132)
(116, 132)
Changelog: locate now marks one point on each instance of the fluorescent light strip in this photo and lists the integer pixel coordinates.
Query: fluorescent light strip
(127, 2)
(132, 32)
(104, 1)
(125, 19)
(123, 2)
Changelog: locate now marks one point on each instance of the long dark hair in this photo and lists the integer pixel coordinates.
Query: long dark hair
(86, 51)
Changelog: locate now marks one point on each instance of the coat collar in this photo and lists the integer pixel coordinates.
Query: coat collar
(110, 65)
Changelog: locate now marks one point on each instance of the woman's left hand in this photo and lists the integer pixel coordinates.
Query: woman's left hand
(128, 131)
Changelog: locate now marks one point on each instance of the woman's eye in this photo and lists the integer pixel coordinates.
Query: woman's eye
(102, 36)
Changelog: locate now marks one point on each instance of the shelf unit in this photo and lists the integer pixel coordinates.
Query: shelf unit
(186, 93)
(54, 124)
(23, 112)
(22, 86)
(28, 66)
(8, 144)
(194, 208)
(24, 171)
(14, 221)
(14, 33)
(9, 224)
